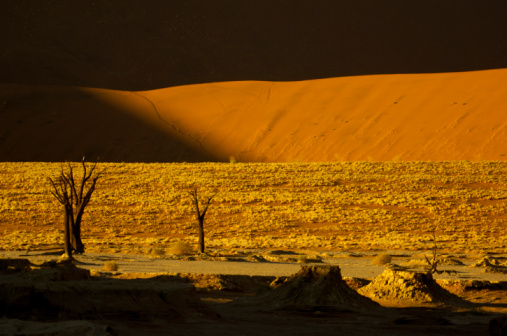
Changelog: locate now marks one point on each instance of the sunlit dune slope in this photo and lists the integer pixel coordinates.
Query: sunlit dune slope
(449, 116)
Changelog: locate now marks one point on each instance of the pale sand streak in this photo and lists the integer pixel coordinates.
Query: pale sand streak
(350, 267)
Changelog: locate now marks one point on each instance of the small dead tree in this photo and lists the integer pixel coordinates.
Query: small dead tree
(433, 263)
(74, 194)
(200, 214)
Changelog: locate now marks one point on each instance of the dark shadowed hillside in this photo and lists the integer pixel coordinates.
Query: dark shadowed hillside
(141, 45)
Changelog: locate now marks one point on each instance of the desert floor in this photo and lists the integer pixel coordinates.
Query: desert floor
(267, 221)
(273, 263)
(218, 300)
(330, 195)
(335, 206)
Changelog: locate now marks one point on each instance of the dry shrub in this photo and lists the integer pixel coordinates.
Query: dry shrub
(381, 259)
(157, 252)
(111, 266)
(181, 248)
(302, 259)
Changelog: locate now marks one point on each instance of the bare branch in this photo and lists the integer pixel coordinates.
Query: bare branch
(83, 180)
(90, 191)
(70, 178)
(208, 201)
(56, 191)
(195, 199)
(433, 263)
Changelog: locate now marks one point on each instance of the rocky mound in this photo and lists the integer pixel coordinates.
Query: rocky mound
(315, 286)
(417, 287)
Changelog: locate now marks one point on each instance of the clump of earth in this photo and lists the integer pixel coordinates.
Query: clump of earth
(402, 285)
(315, 286)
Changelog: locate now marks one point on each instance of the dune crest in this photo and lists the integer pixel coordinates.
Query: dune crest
(430, 117)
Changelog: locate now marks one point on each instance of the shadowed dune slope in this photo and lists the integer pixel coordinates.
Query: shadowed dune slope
(65, 123)
(447, 116)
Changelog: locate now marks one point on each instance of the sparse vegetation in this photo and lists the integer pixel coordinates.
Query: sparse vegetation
(157, 252)
(180, 248)
(326, 206)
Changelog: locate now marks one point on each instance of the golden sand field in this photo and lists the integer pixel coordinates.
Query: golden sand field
(351, 206)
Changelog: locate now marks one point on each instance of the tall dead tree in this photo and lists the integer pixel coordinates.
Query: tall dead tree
(74, 194)
(200, 214)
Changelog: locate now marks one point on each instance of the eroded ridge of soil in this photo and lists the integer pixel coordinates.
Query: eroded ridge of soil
(55, 297)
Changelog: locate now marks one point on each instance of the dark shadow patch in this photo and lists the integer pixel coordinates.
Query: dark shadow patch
(51, 124)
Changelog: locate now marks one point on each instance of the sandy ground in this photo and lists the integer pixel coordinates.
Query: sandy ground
(424, 117)
(359, 267)
(142, 298)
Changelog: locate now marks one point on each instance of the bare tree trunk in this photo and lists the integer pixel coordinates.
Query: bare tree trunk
(199, 216)
(70, 220)
(200, 223)
(77, 244)
(66, 235)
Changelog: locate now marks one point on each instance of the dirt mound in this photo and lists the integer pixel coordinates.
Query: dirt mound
(459, 286)
(57, 292)
(417, 287)
(489, 261)
(491, 265)
(220, 282)
(498, 326)
(315, 286)
(13, 327)
(9, 266)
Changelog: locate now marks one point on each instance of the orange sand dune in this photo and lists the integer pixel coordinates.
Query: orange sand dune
(448, 116)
